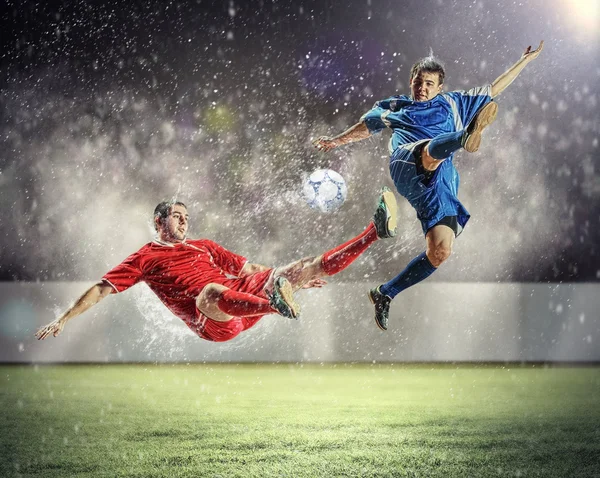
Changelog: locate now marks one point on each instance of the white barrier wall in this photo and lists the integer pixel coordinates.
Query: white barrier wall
(430, 322)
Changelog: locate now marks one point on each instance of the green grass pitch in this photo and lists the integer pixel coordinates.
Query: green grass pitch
(248, 420)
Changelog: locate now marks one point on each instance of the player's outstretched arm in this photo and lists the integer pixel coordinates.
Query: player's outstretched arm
(506, 78)
(89, 298)
(357, 132)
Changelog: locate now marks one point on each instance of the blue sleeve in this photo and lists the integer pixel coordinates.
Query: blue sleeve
(375, 118)
(466, 104)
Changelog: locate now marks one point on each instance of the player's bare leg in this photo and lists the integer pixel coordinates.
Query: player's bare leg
(305, 271)
(439, 239)
(299, 273)
(484, 118)
(429, 162)
(222, 304)
(208, 300)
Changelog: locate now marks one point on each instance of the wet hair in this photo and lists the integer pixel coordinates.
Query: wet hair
(162, 210)
(429, 64)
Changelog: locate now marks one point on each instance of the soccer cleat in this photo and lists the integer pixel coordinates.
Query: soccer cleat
(485, 117)
(282, 298)
(382, 307)
(385, 215)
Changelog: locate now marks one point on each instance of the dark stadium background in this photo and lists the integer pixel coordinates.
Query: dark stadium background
(106, 108)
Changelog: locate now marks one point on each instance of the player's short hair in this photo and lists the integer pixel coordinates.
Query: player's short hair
(429, 64)
(163, 209)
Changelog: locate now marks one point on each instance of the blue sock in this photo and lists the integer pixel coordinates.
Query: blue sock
(445, 144)
(417, 270)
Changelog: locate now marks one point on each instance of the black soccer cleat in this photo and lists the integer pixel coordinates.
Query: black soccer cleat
(282, 298)
(382, 307)
(484, 118)
(385, 217)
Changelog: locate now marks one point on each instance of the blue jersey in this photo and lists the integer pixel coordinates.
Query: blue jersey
(414, 123)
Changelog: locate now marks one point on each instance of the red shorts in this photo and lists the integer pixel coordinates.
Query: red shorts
(216, 331)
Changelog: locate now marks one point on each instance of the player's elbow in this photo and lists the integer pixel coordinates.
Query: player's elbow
(103, 289)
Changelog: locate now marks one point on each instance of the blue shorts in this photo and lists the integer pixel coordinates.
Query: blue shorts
(432, 201)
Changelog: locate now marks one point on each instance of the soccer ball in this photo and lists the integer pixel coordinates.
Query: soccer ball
(325, 190)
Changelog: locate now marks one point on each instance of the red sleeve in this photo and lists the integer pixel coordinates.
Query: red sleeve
(126, 274)
(228, 261)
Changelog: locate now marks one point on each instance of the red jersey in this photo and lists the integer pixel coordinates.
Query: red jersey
(177, 273)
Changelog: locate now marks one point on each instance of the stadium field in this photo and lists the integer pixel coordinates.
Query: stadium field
(333, 420)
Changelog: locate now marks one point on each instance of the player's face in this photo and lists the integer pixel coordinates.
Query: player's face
(174, 228)
(425, 86)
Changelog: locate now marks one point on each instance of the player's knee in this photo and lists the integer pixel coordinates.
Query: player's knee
(443, 253)
(438, 254)
(209, 295)
(429, 162)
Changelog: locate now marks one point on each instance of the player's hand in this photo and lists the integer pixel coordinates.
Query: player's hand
(532, 55)
(314, 283)
(55, 327)
(324, 143)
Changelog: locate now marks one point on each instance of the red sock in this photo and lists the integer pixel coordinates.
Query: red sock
(342, 256)
(242, 304)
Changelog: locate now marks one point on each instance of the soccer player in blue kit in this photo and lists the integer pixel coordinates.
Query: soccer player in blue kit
(428, 127)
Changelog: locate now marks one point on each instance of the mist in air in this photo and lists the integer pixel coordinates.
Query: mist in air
(104, 113)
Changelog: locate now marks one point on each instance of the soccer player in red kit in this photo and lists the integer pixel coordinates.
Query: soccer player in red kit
(218, 293)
